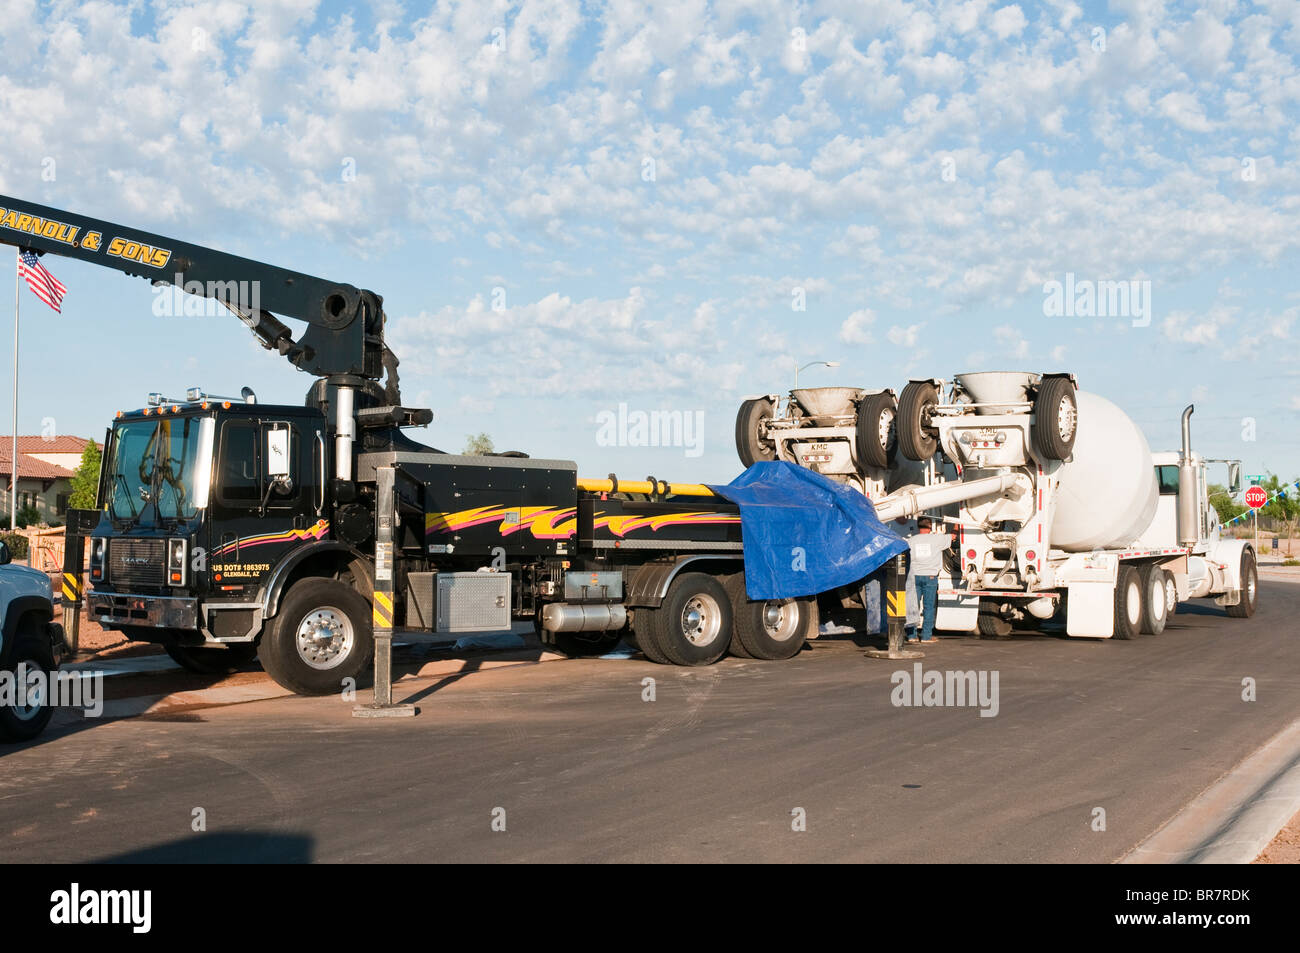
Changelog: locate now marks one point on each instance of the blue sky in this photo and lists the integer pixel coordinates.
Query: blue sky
(571, 206)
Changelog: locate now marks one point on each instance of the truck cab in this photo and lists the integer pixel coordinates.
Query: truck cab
(203, 503)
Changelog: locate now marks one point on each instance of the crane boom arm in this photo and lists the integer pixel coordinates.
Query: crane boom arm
(345, 334)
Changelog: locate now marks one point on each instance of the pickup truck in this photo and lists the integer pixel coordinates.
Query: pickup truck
(30, 639)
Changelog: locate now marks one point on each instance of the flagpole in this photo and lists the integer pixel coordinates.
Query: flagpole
(13, 460)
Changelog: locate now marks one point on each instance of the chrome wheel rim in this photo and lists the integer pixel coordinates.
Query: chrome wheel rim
(34, 695)
(701, 620)
(325, 638)
(780, 619)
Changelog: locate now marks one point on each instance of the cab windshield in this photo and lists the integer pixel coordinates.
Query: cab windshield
(154, 467)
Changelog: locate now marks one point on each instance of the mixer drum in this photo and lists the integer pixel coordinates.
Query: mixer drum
(1108, 492)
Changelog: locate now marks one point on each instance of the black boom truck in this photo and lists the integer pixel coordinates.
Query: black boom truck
(306, 534)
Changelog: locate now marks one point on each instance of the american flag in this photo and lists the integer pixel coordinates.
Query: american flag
(43, 284)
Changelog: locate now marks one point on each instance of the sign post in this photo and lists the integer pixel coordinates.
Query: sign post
(1256, 497)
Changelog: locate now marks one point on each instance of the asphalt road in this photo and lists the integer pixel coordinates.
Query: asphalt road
(712, 769)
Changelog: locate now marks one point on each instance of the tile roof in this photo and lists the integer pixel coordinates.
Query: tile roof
(29, 467)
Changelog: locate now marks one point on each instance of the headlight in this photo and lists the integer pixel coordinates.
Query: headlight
(176, 562)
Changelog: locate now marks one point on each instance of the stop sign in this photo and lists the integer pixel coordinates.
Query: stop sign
(1256, 497)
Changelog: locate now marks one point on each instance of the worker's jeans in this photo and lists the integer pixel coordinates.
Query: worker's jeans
(927, 594)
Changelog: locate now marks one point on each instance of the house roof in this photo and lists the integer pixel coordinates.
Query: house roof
(31, 468)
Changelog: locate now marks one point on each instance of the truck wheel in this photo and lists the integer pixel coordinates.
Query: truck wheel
(1249, 588)
(769, 628)
(877, 437)
(1128, 603)
(692, 626)
(26, 721)
(320, 636)
(1171, 597)
(749, 444)
(643, 634)
(735, 586)
(916, 436)
(212, 660)
(1155, 599)
(1056, 418)
(992, 626)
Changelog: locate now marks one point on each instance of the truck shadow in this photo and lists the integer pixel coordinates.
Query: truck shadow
(242, 847)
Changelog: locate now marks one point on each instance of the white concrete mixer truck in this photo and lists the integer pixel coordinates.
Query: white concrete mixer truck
(1094, 531)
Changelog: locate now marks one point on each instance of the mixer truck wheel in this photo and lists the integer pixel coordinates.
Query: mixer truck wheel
(916, 437)
(1056, 418)
(1128, 603)
(692, 626)
(1155, 599)
(751, 445)
(1249, 588)
(991, 625)
(876, 432)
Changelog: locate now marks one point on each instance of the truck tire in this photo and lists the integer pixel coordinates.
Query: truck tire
(877, 432)
(643, 633)
(1155, 599)
(693, 625)
(321, 636)
(32, 652)
(1249, 588)
(749, 444)
(1056, 418)
(1171, 597)
(212, 660)
(769, 629)
(1128, 603)
(916, 437)
(991, 625)
(735, 586)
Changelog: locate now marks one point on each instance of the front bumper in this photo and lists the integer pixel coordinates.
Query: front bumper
(154, 612)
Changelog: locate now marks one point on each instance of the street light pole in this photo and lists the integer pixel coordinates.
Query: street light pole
(797, 369)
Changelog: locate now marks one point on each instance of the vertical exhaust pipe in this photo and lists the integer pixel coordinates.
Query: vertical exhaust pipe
(344, 432)
(1189, 508)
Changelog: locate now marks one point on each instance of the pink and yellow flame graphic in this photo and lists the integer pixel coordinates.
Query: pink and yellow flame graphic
(318, 530)
(549, 522)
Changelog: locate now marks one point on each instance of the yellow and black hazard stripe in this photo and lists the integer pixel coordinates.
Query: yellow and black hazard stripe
(383, 618)
(897, 603)
(71, 587)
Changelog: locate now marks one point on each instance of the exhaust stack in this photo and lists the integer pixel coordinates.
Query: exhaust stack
(1189, 510)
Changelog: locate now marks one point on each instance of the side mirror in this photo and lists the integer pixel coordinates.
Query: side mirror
(1234, 478)
(277, 452)
(5, 557)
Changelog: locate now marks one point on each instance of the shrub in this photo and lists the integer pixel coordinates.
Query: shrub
(17, 544)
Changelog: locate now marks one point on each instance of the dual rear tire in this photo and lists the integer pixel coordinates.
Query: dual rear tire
(702, 617)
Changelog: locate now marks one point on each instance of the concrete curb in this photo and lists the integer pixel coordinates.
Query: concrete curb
(1233, 820)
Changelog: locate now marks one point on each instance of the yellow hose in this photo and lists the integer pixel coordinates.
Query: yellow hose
(644, 486)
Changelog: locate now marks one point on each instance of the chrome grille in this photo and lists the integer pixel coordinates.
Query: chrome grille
(136, 562)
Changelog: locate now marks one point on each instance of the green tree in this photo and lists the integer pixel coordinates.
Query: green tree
(478, 445)
(1224, 504)
(85, 482)
(1284, 505)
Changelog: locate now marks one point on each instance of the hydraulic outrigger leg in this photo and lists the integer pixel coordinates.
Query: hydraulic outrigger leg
(382, 607)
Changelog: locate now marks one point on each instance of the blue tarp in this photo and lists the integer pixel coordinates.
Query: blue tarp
(804, 533)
